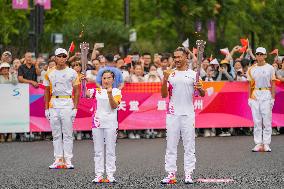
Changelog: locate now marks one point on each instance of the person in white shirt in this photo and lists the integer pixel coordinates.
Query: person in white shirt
(105, 126)
(179, 85)
(61, 108)
(261, 77)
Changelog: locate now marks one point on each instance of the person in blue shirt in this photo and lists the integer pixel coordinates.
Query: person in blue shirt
(110, 65)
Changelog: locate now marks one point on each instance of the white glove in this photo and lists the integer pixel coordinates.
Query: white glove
(47, 114)
(73, 115)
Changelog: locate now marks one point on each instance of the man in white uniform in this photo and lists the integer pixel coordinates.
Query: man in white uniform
(179, 84)
(61, 108)
(261, 100)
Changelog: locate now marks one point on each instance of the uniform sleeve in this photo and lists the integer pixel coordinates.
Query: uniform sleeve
(76, 80)
(249, 78)
(46, 81)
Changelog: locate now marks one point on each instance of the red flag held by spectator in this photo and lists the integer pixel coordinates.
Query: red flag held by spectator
(127, 60)
(275, 51)
(244, 42)
(72, 47)
(243, 49)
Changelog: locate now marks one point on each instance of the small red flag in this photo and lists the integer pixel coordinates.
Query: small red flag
(244, 42)
(275, 51)
(243, 49)
(127, 60)
(72, 47)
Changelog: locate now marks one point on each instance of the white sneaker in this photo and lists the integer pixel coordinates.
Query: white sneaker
(58, 164)
(69, 164)
(275, 132)
(110, 179)
(213, 132)
(137, 136)
(224, 134)
(257, 148)
(131, 135)
(266, 148)
(98, 179)
(207, 133)
(188, 179)
(170, 179)
(79, 136)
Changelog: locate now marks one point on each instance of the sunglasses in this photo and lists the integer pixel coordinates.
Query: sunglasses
(62, 56)
(259, 54)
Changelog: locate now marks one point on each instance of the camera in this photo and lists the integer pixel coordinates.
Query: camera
(239, 73)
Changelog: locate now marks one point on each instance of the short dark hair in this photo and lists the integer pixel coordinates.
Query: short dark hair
(181, 49)
(164, 58)
(109, 57)
(108, 71)
(146, 53)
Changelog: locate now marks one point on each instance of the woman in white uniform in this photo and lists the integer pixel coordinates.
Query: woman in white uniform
(105, 126)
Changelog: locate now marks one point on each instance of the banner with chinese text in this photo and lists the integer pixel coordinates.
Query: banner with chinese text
(225, 105)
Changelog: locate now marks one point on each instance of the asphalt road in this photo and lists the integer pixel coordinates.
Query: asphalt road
(140, 164)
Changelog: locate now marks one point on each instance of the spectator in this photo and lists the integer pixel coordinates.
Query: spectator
(224, 71)
(147, 60)
(137, 76)
(16, 64)
(153, 75)
(29, 71)
(43, 72)
(204, 66)
(110, 65)
(164, 66)
(280, 72)
(102, 60)
(92, 74)
(120, 64)
(51, 64)
(6, 57)
(157, 60)
(224, 75)
(209, 77)
(239, 72)
(5, 78)
(209, 74)
(275, 66)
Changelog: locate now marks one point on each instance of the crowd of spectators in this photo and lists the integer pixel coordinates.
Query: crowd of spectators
(133, 68)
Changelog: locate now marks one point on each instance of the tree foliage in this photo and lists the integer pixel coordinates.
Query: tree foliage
(161, 25)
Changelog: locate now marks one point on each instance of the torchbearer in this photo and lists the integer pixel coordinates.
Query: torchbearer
(180, 85)
(261, 77)
(61, 108)
(105, 126)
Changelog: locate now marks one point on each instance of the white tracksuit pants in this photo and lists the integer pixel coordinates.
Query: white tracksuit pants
(262, 118)
(102, 136)
(176, 126)
(61, 123)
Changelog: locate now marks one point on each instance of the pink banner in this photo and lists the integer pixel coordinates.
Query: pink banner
(20, 4)
(46, 3)
(225, 105)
